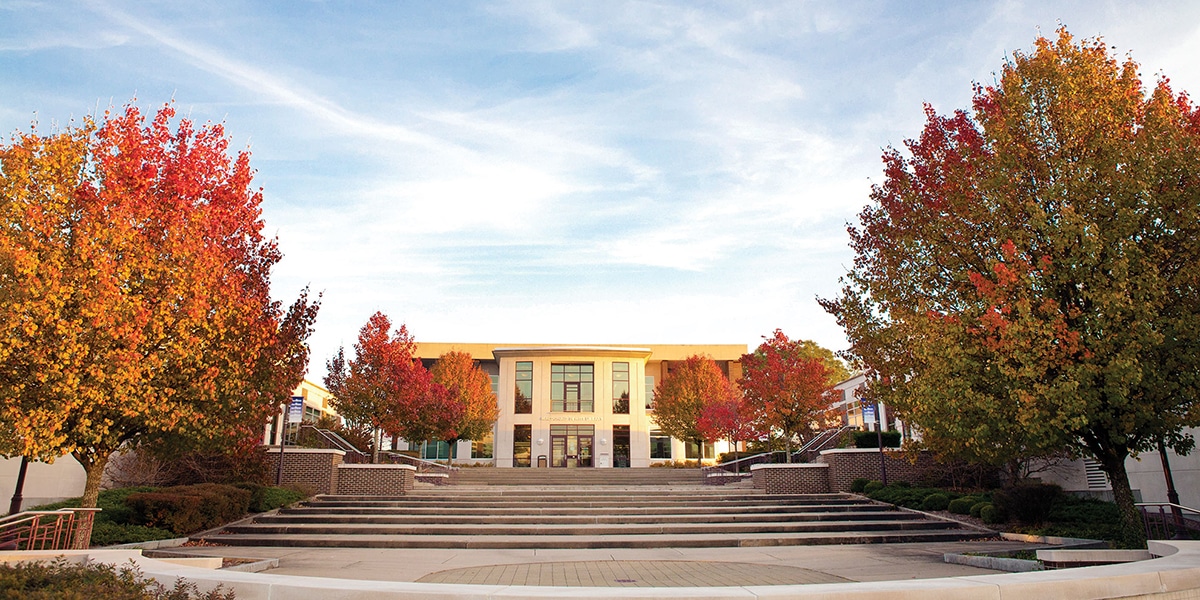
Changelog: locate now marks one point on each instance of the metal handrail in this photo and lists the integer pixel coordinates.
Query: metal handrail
(35, 530)
(1172, 528)
(428, 465)
(821, 439)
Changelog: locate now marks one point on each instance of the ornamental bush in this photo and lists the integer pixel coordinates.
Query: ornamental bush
(859, 485)
(190, 508)
(962, 506)
(870, 439)
(935, 502)
(61, 581)
(872, 486)
(1030, 503)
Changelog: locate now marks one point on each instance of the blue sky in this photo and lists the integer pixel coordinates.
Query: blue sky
(569, 172)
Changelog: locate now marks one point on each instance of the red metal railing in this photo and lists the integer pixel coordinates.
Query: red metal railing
(64, 529)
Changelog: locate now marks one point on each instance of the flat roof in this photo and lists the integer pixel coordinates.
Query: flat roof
(430, 350)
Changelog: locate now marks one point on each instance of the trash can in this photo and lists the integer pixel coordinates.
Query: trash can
(542, 462)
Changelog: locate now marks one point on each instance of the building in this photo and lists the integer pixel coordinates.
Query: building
(309, 403)
(565, 406)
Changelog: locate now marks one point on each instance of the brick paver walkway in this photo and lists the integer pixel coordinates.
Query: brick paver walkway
(627, 573)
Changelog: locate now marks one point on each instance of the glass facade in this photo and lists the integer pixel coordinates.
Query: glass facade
(649, 392)
(524, 392)
(571, 387)
(483, 448)
(620, 388)
(522, 445)
(660, 444)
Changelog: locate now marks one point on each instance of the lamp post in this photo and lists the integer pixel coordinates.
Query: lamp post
(1172, 495)
(15, 506)
(879, 436)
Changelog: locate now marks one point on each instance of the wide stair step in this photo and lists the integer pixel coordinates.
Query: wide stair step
(511, 516)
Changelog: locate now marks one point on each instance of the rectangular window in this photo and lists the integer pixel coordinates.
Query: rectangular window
(571, 388)
(660, 444)
(482, 448)
(620, 385)
(692, 449)
(524, 391)
(435, 451)
(522, 445)
(649, 392)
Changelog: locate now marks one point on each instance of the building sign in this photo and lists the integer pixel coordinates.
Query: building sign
(560, 418)
(296, 409)
(868, 412)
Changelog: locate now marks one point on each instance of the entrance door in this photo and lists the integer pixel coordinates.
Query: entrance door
(571, 445)
(620, 437)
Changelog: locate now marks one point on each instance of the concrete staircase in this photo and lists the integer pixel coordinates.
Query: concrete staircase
(565, 515)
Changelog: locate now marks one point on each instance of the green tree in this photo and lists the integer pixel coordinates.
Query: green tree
(682, 397)
(1025, 280)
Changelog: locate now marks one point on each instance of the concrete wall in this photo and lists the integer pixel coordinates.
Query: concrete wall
(44, 483)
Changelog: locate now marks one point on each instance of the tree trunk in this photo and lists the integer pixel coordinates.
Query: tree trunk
(787, 445)
(376, 439)
(93, 465)
(1133, 529)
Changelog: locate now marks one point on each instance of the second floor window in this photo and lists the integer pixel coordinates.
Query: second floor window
(523, 404)
(620, 388)
(571, 388)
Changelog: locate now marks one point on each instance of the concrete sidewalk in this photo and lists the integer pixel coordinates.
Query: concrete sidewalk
(659, 567)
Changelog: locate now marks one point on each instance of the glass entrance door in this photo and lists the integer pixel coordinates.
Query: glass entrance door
(571, 445)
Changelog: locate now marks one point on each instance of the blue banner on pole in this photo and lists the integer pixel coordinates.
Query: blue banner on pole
(868, 411)
(296, 409)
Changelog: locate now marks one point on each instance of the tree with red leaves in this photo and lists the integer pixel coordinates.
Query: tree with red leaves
(1025, 280)
(790, 386)
(681, 399)
(135, 301)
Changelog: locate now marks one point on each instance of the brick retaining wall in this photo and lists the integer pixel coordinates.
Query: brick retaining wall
(797, 478)
(315, 469)
(375, 480)
(848, 464)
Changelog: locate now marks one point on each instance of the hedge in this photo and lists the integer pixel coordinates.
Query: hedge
(187, 509)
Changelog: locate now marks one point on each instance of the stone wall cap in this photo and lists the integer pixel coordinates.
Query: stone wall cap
(788, 466)
(857, 450)
(363, 466)
(297, 450)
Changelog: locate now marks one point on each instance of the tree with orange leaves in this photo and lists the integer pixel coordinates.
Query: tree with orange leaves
(135, 297)
(790, 385)
(681, 398)
(471, 389)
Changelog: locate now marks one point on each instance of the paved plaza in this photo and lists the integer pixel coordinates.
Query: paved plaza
(657, 567)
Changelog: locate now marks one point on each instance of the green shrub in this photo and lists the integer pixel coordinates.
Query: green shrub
(962, 506)
(978, 507)
(61, 581)
(732, 456)
(991, 514)
(870, 439)
(106, 533)
(935, 502)
(1028, 502)
(190, 508)
(872, 486)
(903, 494)
(859, 485)
(271, 498)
